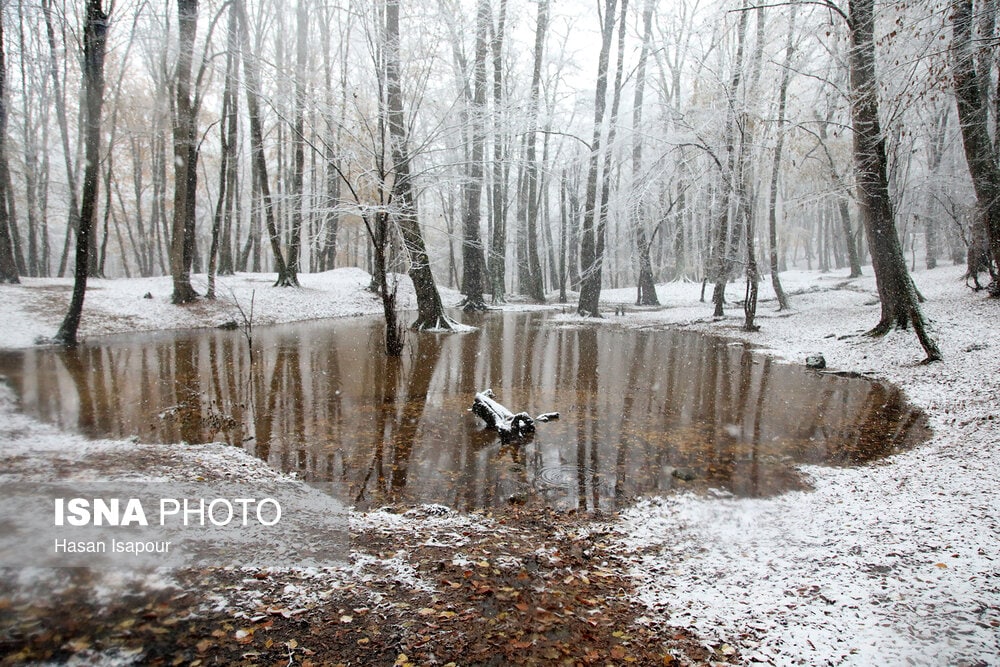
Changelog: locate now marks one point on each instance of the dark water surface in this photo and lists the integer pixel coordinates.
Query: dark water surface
(639, 409)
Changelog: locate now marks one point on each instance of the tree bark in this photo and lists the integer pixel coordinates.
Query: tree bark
(973, 119)
(589, 294)
(535, 280)
(8, 264)
(298, 139)
(772, 197)
(722, 233)
(895, 288)
(257, 149)
(229, 148)
(473, 259)
(498, 242)
(430, 311)
(60, 103)
(95, 43)
(185, 157)
(223, 204)
(646, 287)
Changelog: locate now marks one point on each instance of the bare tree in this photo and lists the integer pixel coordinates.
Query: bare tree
(473, 259)
(896, 290)
(590, 290)
(59, 95)
(646, 287)
(498, 211)
(535, 280)
(228, 135)
(8, 264)
(723, 234)
(252, 78)
(973, 115)
(185, 156)
(430, 311)
(298, 137)
(772, 197)
(94, 47)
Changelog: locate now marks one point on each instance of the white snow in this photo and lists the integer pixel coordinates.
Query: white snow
(37, 306)
(894, 563)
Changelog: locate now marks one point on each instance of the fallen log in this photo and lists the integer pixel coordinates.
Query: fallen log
(498, 417)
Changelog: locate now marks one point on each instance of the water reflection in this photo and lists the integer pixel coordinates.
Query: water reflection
(641, 410)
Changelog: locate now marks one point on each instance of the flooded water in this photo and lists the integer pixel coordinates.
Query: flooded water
(642, 411)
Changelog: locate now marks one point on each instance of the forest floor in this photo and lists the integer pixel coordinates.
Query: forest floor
(894, 563)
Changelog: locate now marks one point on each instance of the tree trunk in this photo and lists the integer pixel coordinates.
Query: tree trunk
(8, 263)
(94, 45)
(772, 198)
(896, 290)
(331, 216)
(563, 231)
(746, 201)
(230, 155)
(535, 280)
(721, 239)
(185, 157)
(473, 259)
(226, 167)
(298, 140)
(430, 311)
(60, 102)
(498, 242)
(973, 119)
(646, 287)
(589, 292)
(257, 149)
(379, 231)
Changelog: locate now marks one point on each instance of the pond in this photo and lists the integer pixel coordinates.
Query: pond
(641, 411)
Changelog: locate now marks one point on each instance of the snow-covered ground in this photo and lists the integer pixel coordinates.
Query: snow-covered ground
(895, 563)
(37, 306)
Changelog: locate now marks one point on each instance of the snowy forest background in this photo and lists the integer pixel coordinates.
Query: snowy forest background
(266, 134)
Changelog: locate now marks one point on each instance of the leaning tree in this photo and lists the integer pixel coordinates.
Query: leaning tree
(95, 36)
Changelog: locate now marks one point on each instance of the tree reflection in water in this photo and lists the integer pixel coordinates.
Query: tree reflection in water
(321, 399)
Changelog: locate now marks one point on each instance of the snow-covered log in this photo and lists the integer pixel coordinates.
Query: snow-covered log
(496, 416)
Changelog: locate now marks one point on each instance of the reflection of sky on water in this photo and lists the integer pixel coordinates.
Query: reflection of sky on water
(639, 409)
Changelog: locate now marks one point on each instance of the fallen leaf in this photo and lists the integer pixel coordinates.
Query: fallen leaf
(77, 645)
